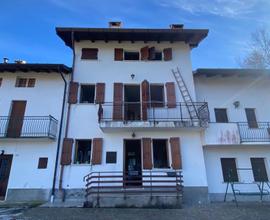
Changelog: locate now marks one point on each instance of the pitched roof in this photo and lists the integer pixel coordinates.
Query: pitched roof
(191, 36)
(34, 67)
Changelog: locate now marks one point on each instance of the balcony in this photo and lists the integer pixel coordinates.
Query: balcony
(140, 116)
(28, 127)
(237, 133)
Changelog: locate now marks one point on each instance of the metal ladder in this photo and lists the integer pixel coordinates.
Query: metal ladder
(185, 94)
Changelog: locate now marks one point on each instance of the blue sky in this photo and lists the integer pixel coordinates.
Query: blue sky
(28, 26)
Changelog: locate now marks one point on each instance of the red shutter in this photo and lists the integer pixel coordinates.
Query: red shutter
(100, 90)
(118, 54)
(145, 99)
(97, 151)
(152, 53)
(144, 53)
(147, 153)
(171, 98)
(176, 153)
(167, 54)
(118, 101)
(66, 151)
(73, 92)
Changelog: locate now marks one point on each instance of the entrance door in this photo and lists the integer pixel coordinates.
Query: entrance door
(132, 99)
(5, 165)
(133, 167)
(16, 119)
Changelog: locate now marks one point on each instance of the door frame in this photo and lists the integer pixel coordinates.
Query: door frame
(7, 187)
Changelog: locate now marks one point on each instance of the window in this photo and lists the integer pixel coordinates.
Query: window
(83, 151)
(1, 82)
(89, 54)
(221, 115)
(87, 94)
(160, 153)
(111, 157)
(259, 169)
(251, 118)
(31, 82)
(131, 55)
(157, 95)
(21, 82)
(158, 56)
(229, 170)
(42, 162)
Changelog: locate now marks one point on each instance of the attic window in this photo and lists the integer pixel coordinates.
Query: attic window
(89, 54)
(131, 55)
(87, 94)
(158, 56)
(21, 82)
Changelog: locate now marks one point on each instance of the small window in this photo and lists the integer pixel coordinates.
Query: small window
(160, 154)
(158, 56)
(251, 118)
(157, 95)
(21, 82)
(42, 162)
(83, 151)
(221, 115)
(229, 170)
(259, 169)
(87, 94)
(89, 54)
(110, 157)
(131, 55)
(31, 82)
(1, 82)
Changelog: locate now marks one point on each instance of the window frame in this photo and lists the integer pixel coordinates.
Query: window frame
(226, 114)
(89, 56)
(107, 159)
(265, 167)
(17, 82)
(167, 153)
(80, 93)
(157, 103)
(75, 155)
(43, 163)
(130, 51)
(222, 170)
(252, 124)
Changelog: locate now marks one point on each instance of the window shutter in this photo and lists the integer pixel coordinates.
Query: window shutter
(147, 153)
(97, 151)
(73, 92)
(229, 170)
(100, 90)
(144, 53)
(152, 53)
(167, 54)
(66, 151)
(145, 98)
(89, 54)
(259, 169)
(175, 152)
(118, 101)
(118, 54)
(171, 98)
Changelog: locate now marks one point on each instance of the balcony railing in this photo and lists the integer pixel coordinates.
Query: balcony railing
(28, 127)
(156, 114)
(258, 132)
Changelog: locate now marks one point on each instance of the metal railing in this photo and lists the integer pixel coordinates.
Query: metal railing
(258, 132)
(152, 183)
(28, 127)
(156, 112)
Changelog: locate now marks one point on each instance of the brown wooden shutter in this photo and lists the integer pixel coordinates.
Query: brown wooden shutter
(176, 153)
(118, 101)
(145, 99)
(73, 92)
(167, 54)
(16, 119)
(100, 90)
(152, 53)
(66, 151)
(97, 151)
(144, 53)
(89, 53)
(147, 153)
(171, 98)
(118, 54)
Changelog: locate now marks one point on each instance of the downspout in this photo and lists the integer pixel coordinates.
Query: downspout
(59, 137)
(68, 117)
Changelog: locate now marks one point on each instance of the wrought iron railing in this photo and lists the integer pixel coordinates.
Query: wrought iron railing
(156, 112)
(28, 127)
(255, 132)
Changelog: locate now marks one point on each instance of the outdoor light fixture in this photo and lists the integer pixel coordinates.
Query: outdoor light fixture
(133, 135)
(236, 104)
(132, 76)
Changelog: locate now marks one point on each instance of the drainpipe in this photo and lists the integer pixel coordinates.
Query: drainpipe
(59, 136)
(68, 116)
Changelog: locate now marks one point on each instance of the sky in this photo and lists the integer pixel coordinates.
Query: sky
(27, 27)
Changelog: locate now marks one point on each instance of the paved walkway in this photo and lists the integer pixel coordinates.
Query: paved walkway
(217, 211)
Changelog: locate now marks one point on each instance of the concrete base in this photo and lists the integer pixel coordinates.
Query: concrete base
(219, 197)
(195, 195)
(26, 195)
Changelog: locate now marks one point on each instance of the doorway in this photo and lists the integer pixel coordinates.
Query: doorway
(132, 108)
(132, 161)
(5, 165)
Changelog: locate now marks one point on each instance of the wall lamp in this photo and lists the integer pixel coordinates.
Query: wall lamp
(132, 76)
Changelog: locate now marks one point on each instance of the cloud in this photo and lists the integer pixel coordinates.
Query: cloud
(223, 8)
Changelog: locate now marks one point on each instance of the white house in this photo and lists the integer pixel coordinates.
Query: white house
(31, 103)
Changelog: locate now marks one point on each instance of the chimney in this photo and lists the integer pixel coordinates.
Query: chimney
(176, 26)
(5, 60)
(20, 61)
(115, 24)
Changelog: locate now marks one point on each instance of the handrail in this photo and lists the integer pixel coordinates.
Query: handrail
(258, 132)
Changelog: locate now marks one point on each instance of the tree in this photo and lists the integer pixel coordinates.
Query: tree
(258, 55)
